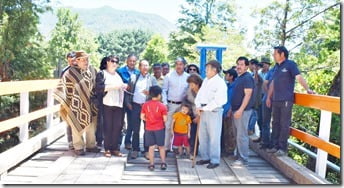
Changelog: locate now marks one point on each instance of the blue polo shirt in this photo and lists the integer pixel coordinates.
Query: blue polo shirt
(125, 74)
(242, 82)
(227, 106)
(268, 77)
(284, 81)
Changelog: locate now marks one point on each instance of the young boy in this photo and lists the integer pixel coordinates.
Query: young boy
(181, 130)
(154, 113)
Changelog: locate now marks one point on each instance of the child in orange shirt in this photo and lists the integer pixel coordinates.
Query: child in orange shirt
(181, 130)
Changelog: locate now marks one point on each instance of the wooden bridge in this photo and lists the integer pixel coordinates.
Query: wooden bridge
(45, 158)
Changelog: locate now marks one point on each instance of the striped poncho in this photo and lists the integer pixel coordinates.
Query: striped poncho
(74, 93)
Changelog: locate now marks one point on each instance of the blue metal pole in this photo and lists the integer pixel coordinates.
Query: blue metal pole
(203, 60)
(219, 55)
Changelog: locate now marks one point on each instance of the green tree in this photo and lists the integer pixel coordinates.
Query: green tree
(197, 14)
(123, 42)
(18, 35)
(285, 23)
(69, 34)
(156, 50)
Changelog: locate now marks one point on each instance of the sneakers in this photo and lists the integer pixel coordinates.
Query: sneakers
(134, 154)
(272, 150)
(238, 162)
(257, 139)
(280, 153)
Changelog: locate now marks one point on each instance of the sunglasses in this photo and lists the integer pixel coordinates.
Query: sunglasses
(192, 69)
(114, 61)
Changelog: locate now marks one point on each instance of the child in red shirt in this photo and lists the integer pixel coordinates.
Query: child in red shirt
(154, 113)
(180, 130)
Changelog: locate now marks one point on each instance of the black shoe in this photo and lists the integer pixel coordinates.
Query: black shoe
(202, 162)
(211, 165)
(257, 140)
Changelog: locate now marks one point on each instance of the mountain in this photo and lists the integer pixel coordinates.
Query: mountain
(107, 19)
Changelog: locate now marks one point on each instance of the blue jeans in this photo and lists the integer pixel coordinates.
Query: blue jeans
(266, 125)
(127, 139)
(252, 120)
(210, 135)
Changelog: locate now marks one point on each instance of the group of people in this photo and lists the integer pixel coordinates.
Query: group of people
(177, 106)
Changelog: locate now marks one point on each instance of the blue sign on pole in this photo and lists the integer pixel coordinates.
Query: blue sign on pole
(203, 58)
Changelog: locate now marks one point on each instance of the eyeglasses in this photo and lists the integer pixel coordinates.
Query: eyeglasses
(114, 61)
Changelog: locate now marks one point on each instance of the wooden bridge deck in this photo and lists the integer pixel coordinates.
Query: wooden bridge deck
(57, 165)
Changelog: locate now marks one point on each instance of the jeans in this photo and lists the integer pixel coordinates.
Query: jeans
(242, 139)
(281, 121)
(136, 124)
(127, 139)
(210, 135)
(228, 135)
(252, 120)
(266, 125)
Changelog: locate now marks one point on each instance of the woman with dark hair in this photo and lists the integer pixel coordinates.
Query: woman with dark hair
(195, 82)
(192, 68)
(110, 88)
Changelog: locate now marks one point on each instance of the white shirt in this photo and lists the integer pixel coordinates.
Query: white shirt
(141, 84)
(213, 93)
(113, 97)
(174, 87)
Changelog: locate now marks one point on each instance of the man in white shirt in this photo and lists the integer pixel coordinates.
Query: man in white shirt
(209, 101)
(173, 92)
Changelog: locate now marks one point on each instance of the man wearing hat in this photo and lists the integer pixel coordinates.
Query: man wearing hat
(75, 92)
(266, 66)
(228, 142)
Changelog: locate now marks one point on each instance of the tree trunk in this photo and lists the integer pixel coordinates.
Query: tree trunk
(335, 86)
(284, 24)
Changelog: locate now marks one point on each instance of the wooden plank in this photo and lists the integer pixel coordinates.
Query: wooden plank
(17, 179)
(206, 176)
(187, 174)
(151, 178)
(225, 175)
(14, 87)
(54, 170)
(321, 102)
(15, 122)
(288, 167)
(147, 182)
(242, 173)
(319, 143)
(20, 152)
(27, 171)
(37, 164)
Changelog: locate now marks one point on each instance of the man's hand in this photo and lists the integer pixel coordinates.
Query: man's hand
(130, 107)
(229, 113)
(196, 119)
(145, 92)
(268, 102)
(237, 114)
(199, 110)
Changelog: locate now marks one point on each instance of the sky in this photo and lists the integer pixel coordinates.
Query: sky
(169, 9)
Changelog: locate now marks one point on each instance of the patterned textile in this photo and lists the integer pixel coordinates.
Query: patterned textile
(74, 92)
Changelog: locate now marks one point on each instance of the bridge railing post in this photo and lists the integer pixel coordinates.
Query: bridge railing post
(24, 109)
(50, 103)
(324, 133)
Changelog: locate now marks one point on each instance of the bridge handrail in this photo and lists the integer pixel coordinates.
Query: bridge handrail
(24, 87)
(327, 105)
